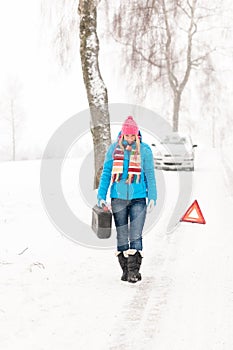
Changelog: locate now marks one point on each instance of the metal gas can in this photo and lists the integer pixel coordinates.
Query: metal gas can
(101, 222)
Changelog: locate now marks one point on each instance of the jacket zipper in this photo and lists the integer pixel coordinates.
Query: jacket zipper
(128, 171)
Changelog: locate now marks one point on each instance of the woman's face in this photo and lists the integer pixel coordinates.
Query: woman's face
(130, 138)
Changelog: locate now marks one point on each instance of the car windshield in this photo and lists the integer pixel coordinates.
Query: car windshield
(174, 141)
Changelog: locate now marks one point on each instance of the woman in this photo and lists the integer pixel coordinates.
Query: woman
(129, 164)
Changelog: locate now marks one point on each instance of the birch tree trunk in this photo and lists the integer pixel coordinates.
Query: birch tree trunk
(95, 87)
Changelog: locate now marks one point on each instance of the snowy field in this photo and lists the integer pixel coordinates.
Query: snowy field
(56, 294)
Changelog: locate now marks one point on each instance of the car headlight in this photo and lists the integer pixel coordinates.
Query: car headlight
(158, 155)
(188, 156)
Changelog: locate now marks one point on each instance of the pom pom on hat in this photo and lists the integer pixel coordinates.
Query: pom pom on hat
(129, 127)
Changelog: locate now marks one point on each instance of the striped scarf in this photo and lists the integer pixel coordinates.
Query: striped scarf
(134, 170)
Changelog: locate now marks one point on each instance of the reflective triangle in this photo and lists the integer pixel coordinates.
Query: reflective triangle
(194, 214)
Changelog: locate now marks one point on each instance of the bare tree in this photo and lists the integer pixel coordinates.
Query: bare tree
(95, 87)
(81, 17)
(210, 110)
(12, 112)
(163, 43)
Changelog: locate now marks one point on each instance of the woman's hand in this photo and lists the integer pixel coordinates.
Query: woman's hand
(150, 206)
(103, 204)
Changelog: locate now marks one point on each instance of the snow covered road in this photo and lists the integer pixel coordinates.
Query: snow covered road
(60, 295)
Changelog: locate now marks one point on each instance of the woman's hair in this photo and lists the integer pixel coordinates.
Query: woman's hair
(137, 143)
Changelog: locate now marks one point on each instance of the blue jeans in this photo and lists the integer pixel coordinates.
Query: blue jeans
(129, 234)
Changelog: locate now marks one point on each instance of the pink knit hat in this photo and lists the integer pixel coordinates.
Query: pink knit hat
(129, 127)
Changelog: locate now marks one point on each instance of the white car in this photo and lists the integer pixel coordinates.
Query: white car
(175, 152)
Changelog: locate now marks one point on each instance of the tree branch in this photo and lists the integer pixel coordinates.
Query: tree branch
(195, 62)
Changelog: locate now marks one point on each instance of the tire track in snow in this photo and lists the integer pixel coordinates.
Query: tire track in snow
(139, 322)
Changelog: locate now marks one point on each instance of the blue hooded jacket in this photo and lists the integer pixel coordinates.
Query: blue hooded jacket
(145, 188)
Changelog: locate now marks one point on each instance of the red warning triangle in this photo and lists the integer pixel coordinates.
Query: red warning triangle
(194, 214)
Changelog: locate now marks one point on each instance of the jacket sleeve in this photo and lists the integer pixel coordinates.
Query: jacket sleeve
(148, 167)
(106, 174)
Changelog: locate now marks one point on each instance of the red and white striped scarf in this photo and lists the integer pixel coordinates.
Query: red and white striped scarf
(134, 169)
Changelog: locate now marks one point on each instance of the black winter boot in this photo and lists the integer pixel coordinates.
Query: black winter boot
(134, 263)
(123, 261)
(139, 262)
